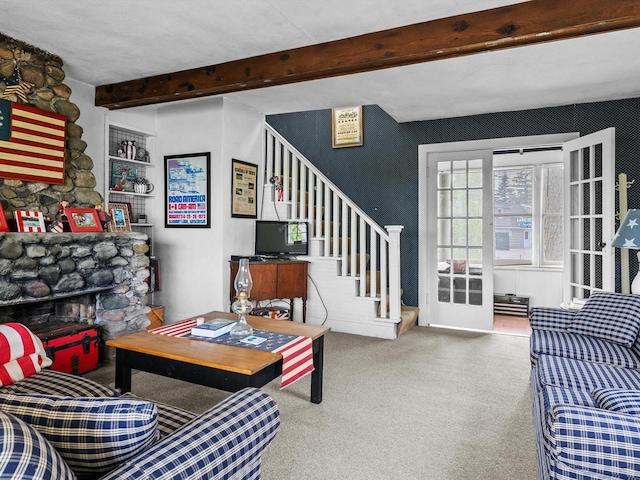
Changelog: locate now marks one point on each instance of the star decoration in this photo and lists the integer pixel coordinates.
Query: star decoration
(632, 223)
(629, 243)
(15, 86)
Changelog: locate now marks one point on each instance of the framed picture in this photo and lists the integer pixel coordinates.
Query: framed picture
(30, 221)
(346, 127)
(83, 220)
(120, 217)
(122, 176)
(187, 183)
(129, 209)
(4, 226)
(244, 195)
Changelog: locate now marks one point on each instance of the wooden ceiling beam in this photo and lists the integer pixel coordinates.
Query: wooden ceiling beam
(511, 26)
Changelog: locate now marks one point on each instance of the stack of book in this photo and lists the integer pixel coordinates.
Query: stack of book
(213, 328)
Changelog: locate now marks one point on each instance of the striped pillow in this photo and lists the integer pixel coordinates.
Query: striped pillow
(93, 435)
(618, 400)
(614, 317)
(21, 353)
(26, 455)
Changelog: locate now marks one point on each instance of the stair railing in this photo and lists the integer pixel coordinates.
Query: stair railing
(346, 231)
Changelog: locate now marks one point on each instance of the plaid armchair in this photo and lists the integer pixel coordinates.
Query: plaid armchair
(67, 427)
(585, 385)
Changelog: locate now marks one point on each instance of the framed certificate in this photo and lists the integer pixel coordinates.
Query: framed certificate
(244, 195)
(346, 127)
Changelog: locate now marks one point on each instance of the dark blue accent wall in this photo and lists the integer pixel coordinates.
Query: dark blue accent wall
(381, 176)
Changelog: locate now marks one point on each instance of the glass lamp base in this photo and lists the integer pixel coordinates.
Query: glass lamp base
(241, 329)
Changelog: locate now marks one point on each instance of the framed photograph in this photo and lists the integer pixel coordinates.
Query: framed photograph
(122, 175)
(120, 217)
(244, 195)
(346, 127)
(83, 220)
(30, 221)
(187, 184)
(4, 226)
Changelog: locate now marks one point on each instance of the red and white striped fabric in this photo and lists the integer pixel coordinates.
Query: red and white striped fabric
(21, 353)
(297, 355)
(177, 329)
(297, 360)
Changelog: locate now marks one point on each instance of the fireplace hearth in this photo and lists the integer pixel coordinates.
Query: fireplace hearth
(95, 278)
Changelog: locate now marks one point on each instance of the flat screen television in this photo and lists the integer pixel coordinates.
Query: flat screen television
(278, 239)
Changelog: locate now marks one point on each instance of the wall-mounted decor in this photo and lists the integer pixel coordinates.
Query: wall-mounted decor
(29, 221)
(244, 196)
(32, 143)
(187, 186)
(83, 220)
(346, 127)
(120, 217)
(4, 226)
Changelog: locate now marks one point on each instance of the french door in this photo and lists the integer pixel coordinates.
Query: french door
(460, 239)
(589, 164)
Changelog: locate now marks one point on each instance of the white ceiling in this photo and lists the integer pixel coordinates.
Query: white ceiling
(107, 42)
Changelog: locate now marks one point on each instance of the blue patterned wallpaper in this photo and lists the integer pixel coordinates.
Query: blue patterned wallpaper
(381, 176)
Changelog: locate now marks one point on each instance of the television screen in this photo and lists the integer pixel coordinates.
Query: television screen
(281, 238)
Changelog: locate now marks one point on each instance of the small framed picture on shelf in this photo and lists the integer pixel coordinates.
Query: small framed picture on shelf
(120, 217)
(83, 220)
(30, 221)
(129, 209)
(122, 176)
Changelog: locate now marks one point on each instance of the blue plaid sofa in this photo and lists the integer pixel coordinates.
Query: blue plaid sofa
(59, 426)
(585, 386)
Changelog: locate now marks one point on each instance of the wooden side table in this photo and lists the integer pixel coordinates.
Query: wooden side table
(282, 279)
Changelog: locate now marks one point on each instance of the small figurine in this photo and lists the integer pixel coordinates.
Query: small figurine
(278, 184)
(63, 207)
(104, 217)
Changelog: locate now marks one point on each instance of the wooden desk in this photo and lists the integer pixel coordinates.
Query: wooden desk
(224, 367)
(272, 279)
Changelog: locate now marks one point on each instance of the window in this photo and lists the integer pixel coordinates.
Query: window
(528, 220)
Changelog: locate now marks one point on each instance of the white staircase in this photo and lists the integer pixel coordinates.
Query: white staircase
(343, 294)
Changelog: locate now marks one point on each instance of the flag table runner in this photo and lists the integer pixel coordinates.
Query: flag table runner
(296, 351)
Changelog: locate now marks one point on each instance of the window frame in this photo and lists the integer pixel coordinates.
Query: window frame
(540, 162)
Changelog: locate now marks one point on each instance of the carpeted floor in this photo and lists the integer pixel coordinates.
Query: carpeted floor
(434, 404)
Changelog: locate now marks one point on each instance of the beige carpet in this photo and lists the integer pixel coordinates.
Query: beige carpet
(433, 404)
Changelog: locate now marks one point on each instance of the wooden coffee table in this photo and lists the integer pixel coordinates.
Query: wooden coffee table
(223, 367)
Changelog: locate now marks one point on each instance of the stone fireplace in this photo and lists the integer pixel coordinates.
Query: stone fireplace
(98, 278)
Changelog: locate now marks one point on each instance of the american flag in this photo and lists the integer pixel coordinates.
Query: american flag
(31, 143)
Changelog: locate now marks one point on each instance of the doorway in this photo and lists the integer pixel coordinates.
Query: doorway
(457, 315)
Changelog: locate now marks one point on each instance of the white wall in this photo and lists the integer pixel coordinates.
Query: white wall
(195, 269)
(92, 122)
(543, 286)
(194, 261)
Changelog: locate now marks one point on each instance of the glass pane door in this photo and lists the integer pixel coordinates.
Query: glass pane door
(460, 231)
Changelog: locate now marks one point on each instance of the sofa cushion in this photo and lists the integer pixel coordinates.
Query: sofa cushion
(580, 347)
(21, 353)
(50, 382)
(170, 418)
(93, 435)
(618, 400)
(580, 375)
(611, 316)
(26, 455)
